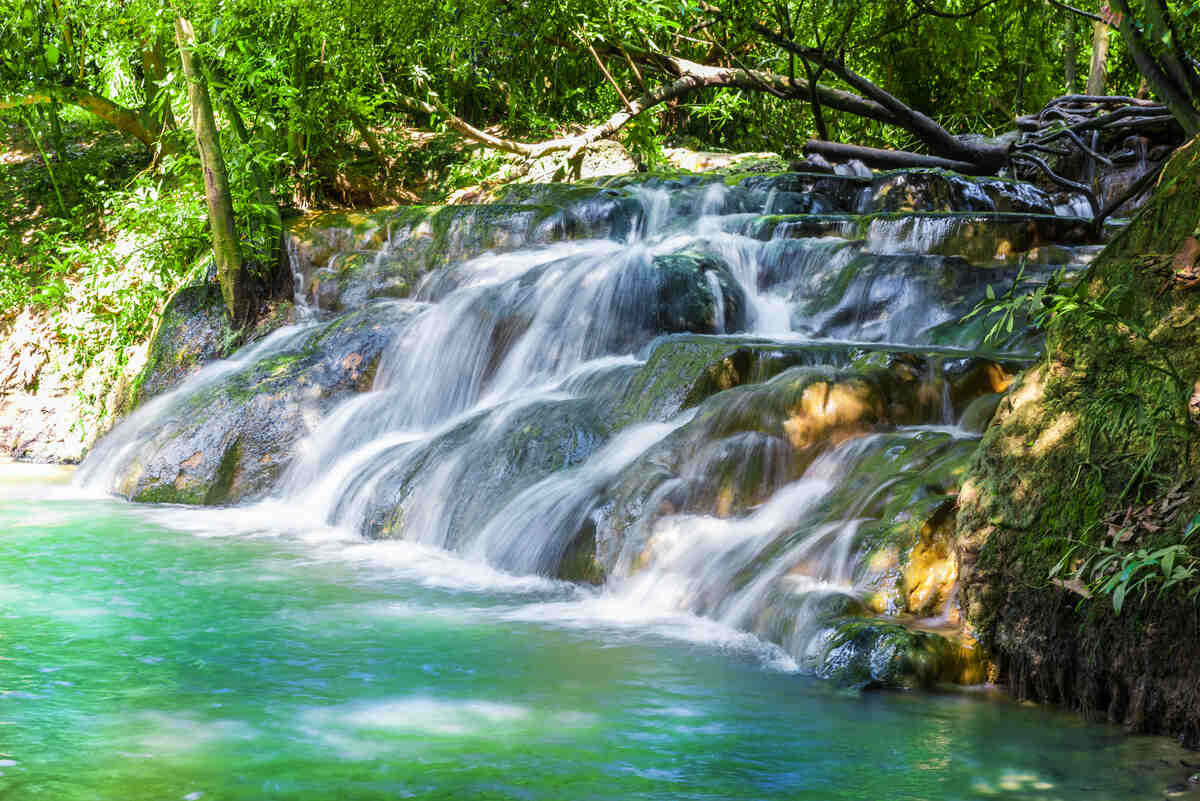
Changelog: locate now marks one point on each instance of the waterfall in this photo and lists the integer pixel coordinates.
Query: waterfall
(676, 386)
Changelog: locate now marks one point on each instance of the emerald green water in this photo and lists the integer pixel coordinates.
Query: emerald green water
(161, 653)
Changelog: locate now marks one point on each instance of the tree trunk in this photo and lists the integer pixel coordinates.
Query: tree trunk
(226, 250)
(1072, 53)
(1177, 98)
(889, 159)
(1098, 74)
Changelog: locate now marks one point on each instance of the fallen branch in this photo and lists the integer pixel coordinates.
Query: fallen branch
(939, 140)
(691, 78)
(877, 157)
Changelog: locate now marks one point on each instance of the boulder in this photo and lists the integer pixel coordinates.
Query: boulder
(877, 653)
(746, 442)
(229, 440)
(800, 193)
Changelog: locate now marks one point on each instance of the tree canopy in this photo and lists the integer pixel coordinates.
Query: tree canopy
(304, 92)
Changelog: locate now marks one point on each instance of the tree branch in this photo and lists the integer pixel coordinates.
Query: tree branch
(692, 77)
(1177, 98)
(886, 159)
(928, 8)
(1077, 11)
(126, 121)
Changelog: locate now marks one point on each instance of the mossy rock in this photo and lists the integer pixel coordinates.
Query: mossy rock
(876, 654)
(228, 441)
(687, 299)
(981, 239)
(579, 563)
(747, 441)
(193, 331)
(1098, 427)
(497, 464)
(803, 226)
(344, 260)
(800, 193)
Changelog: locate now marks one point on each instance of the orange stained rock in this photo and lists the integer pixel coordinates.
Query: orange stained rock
(834, 412)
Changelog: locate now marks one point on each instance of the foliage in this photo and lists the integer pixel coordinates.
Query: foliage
(1134, 435)
(1072, 303)
(98, 279)
(1118, 574)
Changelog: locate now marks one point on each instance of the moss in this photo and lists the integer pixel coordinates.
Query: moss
(874, 653)
(169, 493)
(579, 562)
(1096, 428)
(218, 491)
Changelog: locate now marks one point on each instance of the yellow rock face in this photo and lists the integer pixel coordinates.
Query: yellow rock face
(832, 412)
(931, 572)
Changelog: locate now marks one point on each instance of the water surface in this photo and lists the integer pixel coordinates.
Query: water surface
(167, 653)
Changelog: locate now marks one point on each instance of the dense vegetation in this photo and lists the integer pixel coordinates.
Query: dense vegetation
(316, 103)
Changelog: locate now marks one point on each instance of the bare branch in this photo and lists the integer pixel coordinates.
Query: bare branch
(126, 121)
(1083, 189)
(604, 69)
(1077, 11)
(692, 77)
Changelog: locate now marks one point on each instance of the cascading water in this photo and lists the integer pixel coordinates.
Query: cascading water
(721, 399)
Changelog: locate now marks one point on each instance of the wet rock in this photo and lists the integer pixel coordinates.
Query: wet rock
(697, 293)
(192, 332)
(802, 226)
(979, 413)
(871, 654)
(230, 441)
(584, 210)
(931, 566)
(978, 238)
(343, 260)
(853, 294)
(886, 298)
(800, 193)
(579, 562)
(746, 442)
(939, 190)
(972, 378)
(496, 463)
(682, 371)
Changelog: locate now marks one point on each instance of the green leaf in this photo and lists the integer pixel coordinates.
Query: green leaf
(1118, 598)
(52, 55)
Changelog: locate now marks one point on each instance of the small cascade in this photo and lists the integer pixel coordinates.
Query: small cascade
(736, 398)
